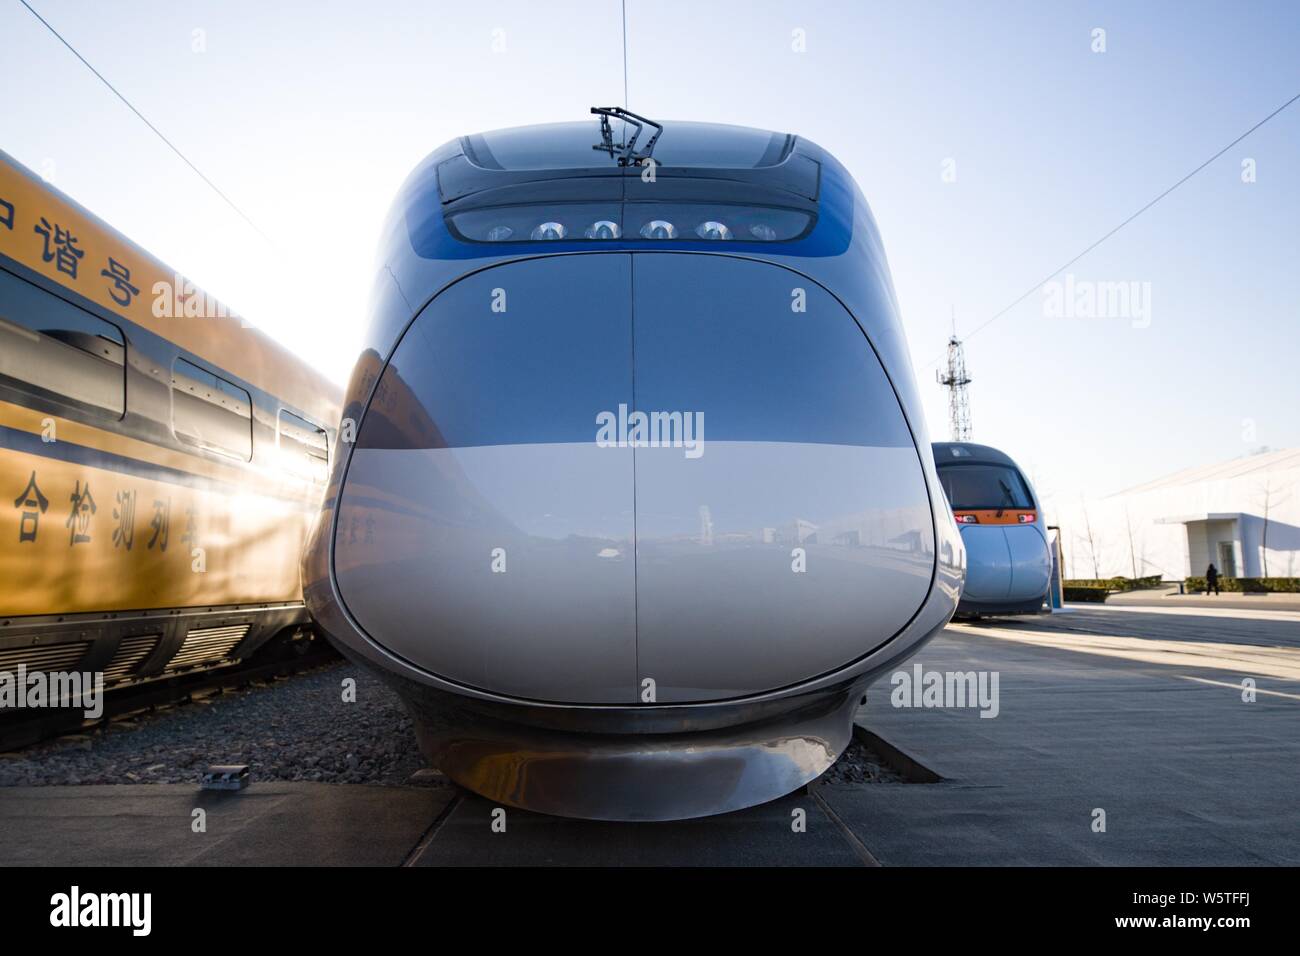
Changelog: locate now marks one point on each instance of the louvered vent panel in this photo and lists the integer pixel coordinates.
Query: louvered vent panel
(130, 654)
(208, 644)
(52, 657)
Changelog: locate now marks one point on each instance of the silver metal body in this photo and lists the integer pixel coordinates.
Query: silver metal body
(634, 630)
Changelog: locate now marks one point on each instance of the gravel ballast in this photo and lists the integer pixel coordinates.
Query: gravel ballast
(296, 728)
(860, 765)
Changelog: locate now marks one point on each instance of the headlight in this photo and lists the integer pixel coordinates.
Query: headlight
(712, 229)
(611, 221)
(658, 229)
(604, 229)
(549, 230)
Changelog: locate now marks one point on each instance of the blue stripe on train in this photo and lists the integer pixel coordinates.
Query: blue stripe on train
(13, 439)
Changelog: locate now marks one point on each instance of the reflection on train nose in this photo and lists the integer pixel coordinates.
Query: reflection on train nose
(498, 567)
(793, 539)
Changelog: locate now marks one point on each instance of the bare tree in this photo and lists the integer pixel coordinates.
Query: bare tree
(1132, 551)
(1076, 549)
(1092, 543)
(1263, 549)
(1270, 500)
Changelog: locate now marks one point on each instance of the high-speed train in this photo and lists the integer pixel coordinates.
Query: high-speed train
(638, 497)
(1009, 562)
(160, 461)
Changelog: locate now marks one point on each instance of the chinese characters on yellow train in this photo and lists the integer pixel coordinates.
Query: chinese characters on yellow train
(191, 535)
(162, 515)
(60, 246)
(122, 290)
(32, 503)
(83, 509)
(124, 520)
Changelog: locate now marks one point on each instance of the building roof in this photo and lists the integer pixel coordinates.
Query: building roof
(1203, 516)
(1282, 460)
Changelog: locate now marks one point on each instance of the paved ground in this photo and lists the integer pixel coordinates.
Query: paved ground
(1138, 712)
(1169, 597)
(310, 824)
(267, 824)
(760, 836)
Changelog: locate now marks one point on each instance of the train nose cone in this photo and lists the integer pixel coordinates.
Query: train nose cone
(801, 537)
(621, 478)
(482, 534)
(1007, 562)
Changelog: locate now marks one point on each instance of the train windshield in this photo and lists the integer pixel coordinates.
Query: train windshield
(984, 487)
(634, 220)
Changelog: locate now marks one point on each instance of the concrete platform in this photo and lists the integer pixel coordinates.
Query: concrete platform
(759, 836)
(1137, 712)
(272, 824)
(314, 824)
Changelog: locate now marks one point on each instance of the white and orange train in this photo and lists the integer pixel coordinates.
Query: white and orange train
(1009, 561)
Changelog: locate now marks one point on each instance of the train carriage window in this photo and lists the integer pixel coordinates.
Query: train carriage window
(304, 447)
(210, 412)
(52, 349)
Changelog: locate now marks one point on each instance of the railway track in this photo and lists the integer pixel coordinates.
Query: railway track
(26, 728)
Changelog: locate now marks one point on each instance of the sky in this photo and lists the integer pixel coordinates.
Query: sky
(994, 142)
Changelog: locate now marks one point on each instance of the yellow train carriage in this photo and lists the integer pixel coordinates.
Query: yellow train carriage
(160, 461)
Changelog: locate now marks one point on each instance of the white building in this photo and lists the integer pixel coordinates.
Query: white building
(1243, 515)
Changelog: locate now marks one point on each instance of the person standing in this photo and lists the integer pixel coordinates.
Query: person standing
(1211, 580)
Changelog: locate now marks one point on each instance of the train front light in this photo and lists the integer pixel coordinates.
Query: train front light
(604, 229)
(658, 229)
(712, 229)
(611, 222)
(549, 230)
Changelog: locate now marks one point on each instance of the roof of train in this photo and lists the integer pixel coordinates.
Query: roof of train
(682, 144)
(952, 452)
(100, 264)
(541, 164)
(790, 187)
